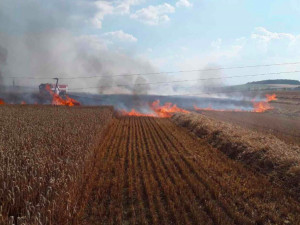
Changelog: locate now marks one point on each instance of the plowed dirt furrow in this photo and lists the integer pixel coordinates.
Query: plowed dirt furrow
(150, 171)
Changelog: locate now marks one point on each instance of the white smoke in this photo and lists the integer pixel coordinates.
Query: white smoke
(45, 39)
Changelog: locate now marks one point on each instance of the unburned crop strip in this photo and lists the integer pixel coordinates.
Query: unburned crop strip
(96, 208)
(148, 182)
(153, 169)
(252, 194)
(203, 191)
(102, 151)
(225, 203)
(88, 187)
(46, 155)
(129, 211)
(262, 152)
(179, 197)
(199, 191)
(144, 216)
(213, 157)
(164, 189)
(118, 175)
(107, 171)
(243, 213)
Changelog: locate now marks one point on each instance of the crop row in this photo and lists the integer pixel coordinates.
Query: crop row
(46, 157)
(153, 172)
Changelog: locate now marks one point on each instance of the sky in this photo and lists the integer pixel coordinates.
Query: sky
(86, 37)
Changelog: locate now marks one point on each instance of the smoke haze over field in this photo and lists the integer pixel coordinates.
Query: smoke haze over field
(38, 44)
(3, 59)
(215, 76)
(83, 38)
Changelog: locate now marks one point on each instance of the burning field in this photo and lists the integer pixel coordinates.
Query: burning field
(155, 109)
(104, 124)
(83, 165)
(162, 111)
(150, 106)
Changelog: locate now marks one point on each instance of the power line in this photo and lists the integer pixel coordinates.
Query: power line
(157, 73)
(182, 81)
(198, 93)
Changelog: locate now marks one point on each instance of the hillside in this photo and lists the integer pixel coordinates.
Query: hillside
(278, 81)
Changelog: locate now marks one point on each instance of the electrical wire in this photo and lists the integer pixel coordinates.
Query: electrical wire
(155, 73)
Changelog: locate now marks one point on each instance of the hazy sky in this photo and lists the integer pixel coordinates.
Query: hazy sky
(164, 35)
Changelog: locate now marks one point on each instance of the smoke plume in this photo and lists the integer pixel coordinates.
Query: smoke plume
(211, 78)
(3, 59)
(47, 40)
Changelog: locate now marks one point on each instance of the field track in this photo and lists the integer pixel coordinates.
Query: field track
(152, 172)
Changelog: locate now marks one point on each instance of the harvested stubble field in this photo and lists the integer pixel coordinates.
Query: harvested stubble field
(288, 104)
(153, 172)
(285, 128)
(262, 152)
(81, 166)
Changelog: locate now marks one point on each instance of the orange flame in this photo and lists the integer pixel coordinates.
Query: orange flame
(261, 107)
(272, 97)
(164, 111)
(1, 102)
(57, 100)
(258, 107)
(133, 112)
(23, 103)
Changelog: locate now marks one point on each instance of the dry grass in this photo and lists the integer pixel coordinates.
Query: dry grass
(46, 157)
(265, 153)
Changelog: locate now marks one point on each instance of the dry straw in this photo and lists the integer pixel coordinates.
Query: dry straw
(46, 158)
(265, 153)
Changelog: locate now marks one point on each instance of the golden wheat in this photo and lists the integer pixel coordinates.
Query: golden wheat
(46, 155)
